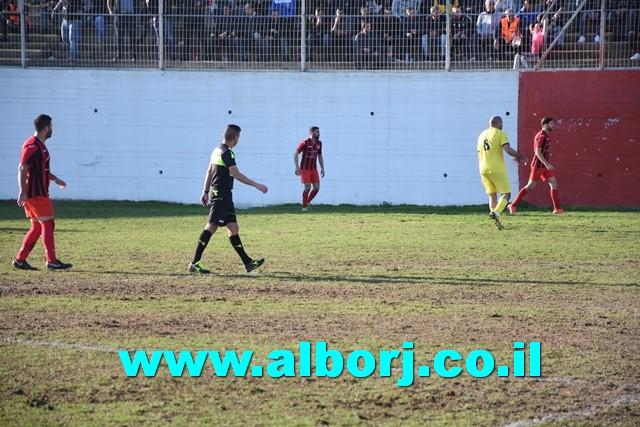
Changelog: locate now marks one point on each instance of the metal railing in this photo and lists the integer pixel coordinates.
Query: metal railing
(215, 34)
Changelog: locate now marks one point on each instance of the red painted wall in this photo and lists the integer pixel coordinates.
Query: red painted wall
(596, 142)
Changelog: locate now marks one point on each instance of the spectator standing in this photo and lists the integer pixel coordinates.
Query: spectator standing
(283, 24)
(434, 40)
(486, 25)
(390, 31)
(99, 16)
(225, 32)
(414, 30)
(399, 7)
(73, 15)
(528, 15)
(590, 15)
(342, 36)
(509, 38)
(167, 24)
(125, 22)
(461, 34)
(248, 34)
(278, 34)
(319, 35)
(368, 51)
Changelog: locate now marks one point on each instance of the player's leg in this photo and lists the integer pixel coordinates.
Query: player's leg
(521, 194)
(30, 240)
(502, 185)
(41, 210)
(502, 202)
(234, 238)
(48, 241)
(315, 182)
(306, 181)
(217, 214)
(553, 183)
(305, 194)
(493, 214)
(493, 201)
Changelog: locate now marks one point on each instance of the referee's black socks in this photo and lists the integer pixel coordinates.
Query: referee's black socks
(203, 240)
(237, 245)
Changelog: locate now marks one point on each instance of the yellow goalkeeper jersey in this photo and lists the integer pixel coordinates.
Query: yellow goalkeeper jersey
(490, 153)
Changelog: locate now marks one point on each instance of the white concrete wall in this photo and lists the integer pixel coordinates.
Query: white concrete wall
(147, 135)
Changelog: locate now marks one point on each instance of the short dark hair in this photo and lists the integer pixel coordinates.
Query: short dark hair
(546, 120)
(313, 129)
(41, 122)
(231, 131)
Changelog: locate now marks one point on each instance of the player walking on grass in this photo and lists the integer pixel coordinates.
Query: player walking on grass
(541, 169)
(218, 186)
(493, 171)
(311, 149)
(34, 177)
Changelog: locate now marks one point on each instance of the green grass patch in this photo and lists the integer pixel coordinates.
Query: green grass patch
(356, 277)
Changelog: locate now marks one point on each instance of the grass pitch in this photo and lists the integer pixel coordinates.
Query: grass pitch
(355, 277)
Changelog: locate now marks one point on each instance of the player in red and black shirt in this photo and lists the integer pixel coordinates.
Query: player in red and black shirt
(541, 169)
(311, 149)
(33, 180)
(218, 184)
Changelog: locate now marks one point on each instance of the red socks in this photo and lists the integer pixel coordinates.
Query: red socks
(29, 241)
(312, 194)
(554, 199)
(48, 241)
(305, 198)
(523, 192)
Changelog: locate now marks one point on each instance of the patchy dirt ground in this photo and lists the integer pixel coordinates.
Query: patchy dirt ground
(591, 342)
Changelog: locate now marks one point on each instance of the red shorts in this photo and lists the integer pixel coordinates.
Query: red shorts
(38, 207)
(309, 176)
(541, 174)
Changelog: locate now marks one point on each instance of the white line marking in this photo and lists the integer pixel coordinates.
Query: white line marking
(563, 416)
(89, 347)
(629, 399)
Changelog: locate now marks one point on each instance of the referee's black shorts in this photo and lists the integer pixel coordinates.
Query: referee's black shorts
(222, 211)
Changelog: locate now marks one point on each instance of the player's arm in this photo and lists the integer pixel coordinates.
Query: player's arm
(207, 183)
(321, 161)
(295, 161)
(22, 183)
(58, 181)
(513, 153)
(235, 172)
(542, 159)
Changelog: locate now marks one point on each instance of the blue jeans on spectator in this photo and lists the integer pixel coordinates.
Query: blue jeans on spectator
(261, 45)
(72, 35)
(430, 43)
(168, 35)
(126, 26)
(98, 22)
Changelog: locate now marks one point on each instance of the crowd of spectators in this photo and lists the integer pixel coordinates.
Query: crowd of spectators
(369, 33)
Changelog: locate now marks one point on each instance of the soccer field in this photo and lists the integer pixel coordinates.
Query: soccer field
(357, 278)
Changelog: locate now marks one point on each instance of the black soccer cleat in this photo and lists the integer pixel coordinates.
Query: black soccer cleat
(58, 265)
(253, 264)
(22, 265)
